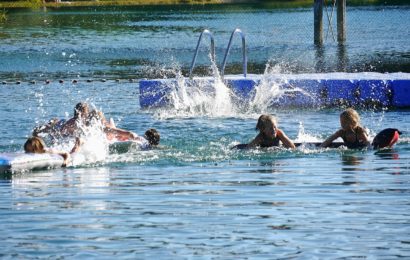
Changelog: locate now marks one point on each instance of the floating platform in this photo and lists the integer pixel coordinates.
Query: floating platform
(304, 90)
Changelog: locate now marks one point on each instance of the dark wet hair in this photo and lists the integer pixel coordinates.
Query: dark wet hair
(81, 108)
(153, 136)
(96, 115)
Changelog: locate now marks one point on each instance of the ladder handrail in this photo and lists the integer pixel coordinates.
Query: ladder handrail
(244, 58)
(211, 37)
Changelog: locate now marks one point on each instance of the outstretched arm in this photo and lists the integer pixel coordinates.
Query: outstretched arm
(122, 134)
(65, 155)
(362, 137)
(255, 142)
(77, 145)
(330, 139)
(285, 139)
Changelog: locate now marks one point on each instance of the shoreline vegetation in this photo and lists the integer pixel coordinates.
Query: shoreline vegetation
(96, 3)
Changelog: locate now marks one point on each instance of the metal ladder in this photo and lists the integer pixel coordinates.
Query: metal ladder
(244, 57)
(211, 37)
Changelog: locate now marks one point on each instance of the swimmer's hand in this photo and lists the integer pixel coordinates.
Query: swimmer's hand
(285, 139)
(66, 157)
(78, 143)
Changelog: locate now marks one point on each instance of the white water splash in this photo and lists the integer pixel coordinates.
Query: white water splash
(304, 137)
(94, 148)
(266, 92)
(207, 96)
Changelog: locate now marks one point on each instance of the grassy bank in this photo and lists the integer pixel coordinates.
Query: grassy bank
(270, 4)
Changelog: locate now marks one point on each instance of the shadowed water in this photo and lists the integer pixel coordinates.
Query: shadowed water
(142, 42)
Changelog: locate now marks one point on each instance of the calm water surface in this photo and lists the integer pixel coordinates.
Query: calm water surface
(194, 197)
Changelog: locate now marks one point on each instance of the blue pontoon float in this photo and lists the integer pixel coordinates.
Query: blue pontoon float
(331, 89)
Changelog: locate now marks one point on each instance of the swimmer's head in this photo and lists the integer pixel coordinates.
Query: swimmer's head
(81, 110)
(96, 115)
(267, 124)
(349, 119)
(34, 145)
(153, 136)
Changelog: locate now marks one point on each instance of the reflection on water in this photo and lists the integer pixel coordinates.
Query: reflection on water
(388, 154)
(43, 189)
(115, 43)
(352, 162)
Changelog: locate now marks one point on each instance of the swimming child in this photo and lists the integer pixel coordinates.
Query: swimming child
(36, 144)
(151, 136)
(51, 129)
(353, 134)
(269, 134)
(74, 124)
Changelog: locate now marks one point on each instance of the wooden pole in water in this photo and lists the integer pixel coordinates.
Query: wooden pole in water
(341, 21)
(318, 22)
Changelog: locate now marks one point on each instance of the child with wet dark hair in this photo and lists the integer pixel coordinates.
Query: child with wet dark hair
(269, 134)
(153, 137)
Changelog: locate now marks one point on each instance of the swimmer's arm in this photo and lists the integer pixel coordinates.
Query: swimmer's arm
(77, 145)
(120, 133)
(45, 128)
(362, 136)
(65, 155)
(255, 142)
(285, 139)
(331, 138)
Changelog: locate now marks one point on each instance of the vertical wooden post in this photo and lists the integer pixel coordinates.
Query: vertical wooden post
(341, 21)
(318, 22)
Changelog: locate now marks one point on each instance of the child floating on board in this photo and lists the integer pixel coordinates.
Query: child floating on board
(269, 134)
(353, 134)
(36, 145)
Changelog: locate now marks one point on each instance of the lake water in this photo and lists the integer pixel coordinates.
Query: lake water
(194, 197)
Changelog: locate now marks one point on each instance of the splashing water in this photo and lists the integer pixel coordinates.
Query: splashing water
(204, 96)
(265, 92)
(210, 96)
(302, 136)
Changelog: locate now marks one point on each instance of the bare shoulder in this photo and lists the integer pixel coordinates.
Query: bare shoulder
(339, 133)
(361, 130)
(256, 141)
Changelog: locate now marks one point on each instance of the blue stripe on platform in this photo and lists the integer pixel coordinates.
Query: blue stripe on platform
(299, 92)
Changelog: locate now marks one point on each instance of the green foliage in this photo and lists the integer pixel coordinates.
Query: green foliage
(3, 15)
(34, 3)
(264, 3)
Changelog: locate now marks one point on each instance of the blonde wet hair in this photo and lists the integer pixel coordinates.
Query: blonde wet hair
(351, 117)
(264, 121)
(34, 145)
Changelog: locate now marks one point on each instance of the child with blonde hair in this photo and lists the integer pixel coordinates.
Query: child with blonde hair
(353, 134)
(269, 134)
